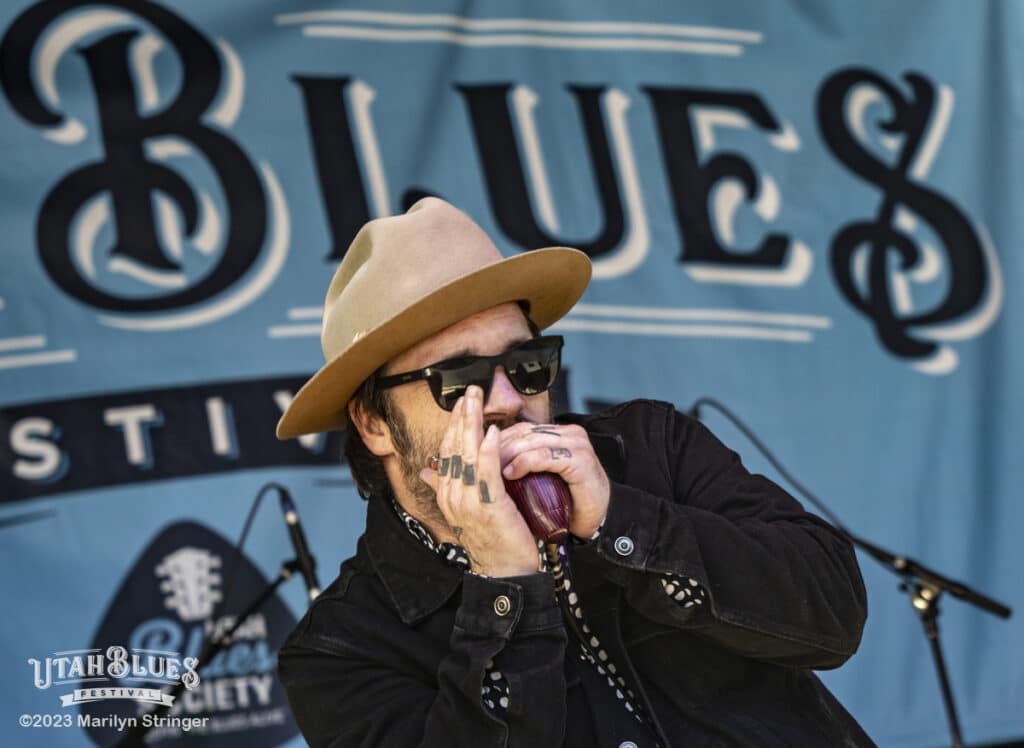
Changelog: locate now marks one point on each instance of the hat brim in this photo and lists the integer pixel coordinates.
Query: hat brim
(550, 280)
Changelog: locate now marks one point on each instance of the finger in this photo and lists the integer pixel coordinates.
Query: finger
(522, 437)
(469, 435)
(558, 459)
(449, 442)
(437, 466)
(521, 429)
(472, 424)
(539, 439)
(463, 452)
(529, 439)
(512, 437)
(490, 488)
(448, 447)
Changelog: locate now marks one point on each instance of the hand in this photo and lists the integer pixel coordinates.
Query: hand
(472, 498)
(566, 451)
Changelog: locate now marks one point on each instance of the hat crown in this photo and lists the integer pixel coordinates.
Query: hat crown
(394, 262)
(407, 277)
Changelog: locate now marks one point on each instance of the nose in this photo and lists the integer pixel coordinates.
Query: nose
(504, 402)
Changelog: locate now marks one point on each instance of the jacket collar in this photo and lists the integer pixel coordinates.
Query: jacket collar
(417, 579)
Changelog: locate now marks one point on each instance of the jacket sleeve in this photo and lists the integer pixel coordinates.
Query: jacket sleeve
(347, 687)
(781, 584)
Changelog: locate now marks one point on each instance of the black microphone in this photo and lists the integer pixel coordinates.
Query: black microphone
(307, 564)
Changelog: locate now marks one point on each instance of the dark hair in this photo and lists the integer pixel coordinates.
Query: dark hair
(367, 468)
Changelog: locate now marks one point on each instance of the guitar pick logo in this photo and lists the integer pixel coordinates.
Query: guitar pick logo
(186, 586)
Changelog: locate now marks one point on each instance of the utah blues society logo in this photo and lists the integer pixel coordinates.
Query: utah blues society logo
(165, 222)
(174, 597)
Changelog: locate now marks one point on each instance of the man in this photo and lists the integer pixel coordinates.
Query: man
(692, 597)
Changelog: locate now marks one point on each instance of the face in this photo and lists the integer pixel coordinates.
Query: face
(418, 423)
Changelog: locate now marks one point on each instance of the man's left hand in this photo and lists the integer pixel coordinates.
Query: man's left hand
(566, 451)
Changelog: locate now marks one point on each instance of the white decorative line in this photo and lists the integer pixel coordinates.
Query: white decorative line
(521, 32)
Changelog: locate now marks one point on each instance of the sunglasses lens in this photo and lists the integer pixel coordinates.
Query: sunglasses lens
(532, 368)
(456, 377)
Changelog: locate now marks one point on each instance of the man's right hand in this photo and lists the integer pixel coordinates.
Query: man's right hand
(471, 495)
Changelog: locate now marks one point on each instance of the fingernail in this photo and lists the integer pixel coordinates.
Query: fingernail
(507, 471)
(492, 432)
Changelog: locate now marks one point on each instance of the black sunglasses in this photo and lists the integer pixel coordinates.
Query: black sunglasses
(531, 367)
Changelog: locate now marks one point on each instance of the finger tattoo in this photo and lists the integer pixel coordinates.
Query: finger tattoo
(456, 466)
(468, 475)
(443, 471)
(542, 430)
(485, 495)
(560, 452)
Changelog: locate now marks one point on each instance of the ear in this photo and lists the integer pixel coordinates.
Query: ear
(372, 428)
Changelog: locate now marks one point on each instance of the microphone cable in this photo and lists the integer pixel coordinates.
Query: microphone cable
(236, 559)
(694, 412)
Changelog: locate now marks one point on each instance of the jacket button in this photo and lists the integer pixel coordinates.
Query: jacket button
(502, 605)
(623, 545)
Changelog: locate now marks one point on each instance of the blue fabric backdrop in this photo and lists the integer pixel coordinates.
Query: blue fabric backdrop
(809, 210)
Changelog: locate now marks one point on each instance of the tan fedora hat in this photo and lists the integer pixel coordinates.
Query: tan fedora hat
(407, 277)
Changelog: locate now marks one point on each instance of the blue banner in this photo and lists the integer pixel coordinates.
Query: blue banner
(807, 212)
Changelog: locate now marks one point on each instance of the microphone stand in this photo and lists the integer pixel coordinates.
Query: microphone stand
(925, 587)
(136, 737)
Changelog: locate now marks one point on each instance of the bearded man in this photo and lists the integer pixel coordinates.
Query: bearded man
(688, 605)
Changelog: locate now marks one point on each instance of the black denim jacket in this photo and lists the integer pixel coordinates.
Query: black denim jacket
(393, 652)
